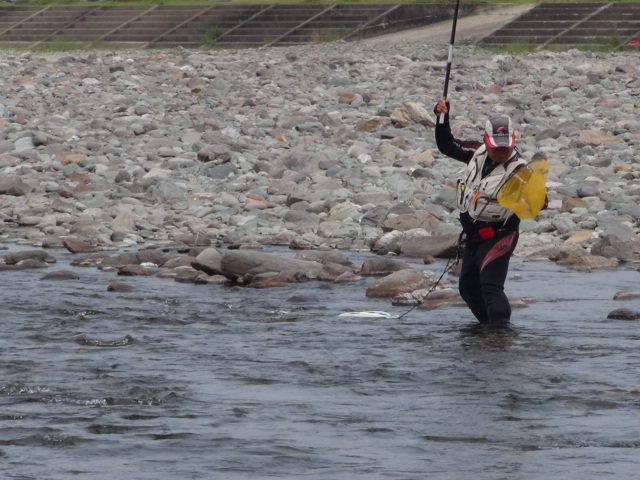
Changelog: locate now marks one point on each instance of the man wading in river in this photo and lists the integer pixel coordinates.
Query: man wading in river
(491, 231)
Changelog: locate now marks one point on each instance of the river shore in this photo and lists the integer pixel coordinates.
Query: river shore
(316, 147)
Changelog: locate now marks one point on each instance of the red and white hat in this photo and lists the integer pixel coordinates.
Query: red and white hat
(499, 132)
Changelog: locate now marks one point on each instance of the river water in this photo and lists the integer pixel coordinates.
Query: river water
(189, 381)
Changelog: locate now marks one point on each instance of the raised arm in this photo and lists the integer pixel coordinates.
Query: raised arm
(461, 150)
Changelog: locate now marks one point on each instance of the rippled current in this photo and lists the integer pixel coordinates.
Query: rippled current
(181, 381)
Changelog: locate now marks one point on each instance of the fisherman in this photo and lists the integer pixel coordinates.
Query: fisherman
(491, 231)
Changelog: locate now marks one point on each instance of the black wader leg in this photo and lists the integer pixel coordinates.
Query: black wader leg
(469, 285)
(484, 270)
(493, 274)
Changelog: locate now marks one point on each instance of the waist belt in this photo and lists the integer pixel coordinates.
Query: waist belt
(488, 232)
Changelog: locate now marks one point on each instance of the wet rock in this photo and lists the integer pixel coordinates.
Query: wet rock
(152, 256)
(402, 281)
(237, 264)
(347, 277)
(628, 295)
(325, 256)
(120, 287)
(302, 299)
(183, 274)
(182, 261)
(574, 257)
(61, 275)
(117, 261)
(135, 270)
(382, 266)
(426, 246)
(31, 263)
(389, 243)
(208, 261)
(75, 245)
(441, 298)
(623, 314)
(38, 255)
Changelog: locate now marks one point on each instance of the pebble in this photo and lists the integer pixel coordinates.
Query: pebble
(317, 145)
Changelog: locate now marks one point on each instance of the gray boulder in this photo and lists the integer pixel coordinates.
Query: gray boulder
(238, 264)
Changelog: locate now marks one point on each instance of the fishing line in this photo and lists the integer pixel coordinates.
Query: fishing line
(447, 267)
(380, 314)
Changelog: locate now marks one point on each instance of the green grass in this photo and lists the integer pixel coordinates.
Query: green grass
(58, 45)
(327, 35)
(611, 45)
(210, 36)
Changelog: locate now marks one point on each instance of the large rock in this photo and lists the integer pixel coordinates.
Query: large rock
(12, 185)
(430, 246)
(404, 222)
(237, 264)
(208, 261)
(399, 282)
(611, 246)
(39, 255)
(574, 257)
(324, 256)
(410, 114)
(382, 266)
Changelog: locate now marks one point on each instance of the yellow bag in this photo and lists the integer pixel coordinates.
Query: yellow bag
(525, 191)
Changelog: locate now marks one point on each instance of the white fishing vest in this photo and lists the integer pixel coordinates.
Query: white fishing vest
(477, 195)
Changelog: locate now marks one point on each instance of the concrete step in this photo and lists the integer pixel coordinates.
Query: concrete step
(570, 24)
(570, 6)
(256, 25)
(119, 37)
(98, 25)
(602, 31)
(214, 17)
(581, 40)
(526, 32)
(21, 37)
(14, 17)
(262, 35)
(111, 17)
(515, 39)
(181, 39)
(328, 26)
(265, 28)
(551, 24)
(256, 38)
(331, 24)
(150, 24)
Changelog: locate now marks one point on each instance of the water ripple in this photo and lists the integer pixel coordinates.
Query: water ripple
(197, 382)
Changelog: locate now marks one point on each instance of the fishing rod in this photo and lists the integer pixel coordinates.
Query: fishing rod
(450, 58)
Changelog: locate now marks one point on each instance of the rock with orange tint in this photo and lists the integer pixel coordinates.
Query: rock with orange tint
(580, 237)
(396, 283)
(75, 245)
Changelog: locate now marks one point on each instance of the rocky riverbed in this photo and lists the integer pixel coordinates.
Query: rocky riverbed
(176, 154)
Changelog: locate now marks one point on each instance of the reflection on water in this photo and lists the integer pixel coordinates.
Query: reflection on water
(201, 382)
